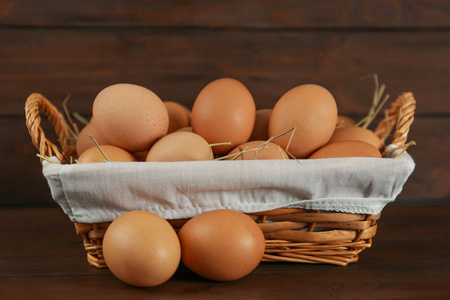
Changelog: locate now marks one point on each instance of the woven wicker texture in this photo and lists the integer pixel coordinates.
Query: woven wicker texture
(292, 235)
(36, 103)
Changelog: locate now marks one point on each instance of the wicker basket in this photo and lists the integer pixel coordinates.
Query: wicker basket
(292, 235)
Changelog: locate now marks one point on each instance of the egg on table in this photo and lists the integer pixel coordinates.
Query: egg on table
(141, 249)
(221, 244)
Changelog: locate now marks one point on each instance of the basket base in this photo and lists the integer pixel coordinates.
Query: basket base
(340, 254)
(292, 235)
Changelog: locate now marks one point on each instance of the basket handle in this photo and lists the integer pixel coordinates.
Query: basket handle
(401, 113)
(35, 103)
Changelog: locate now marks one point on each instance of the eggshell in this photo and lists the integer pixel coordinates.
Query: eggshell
(93, 155)
(130, 116)
(347, 149)
(180, 146)
(312, 110)
(84, 141)
(141, 249)
(221, 245)
(188, 129)
(179, 116)
(261, 127)
(224, 111)
(356, 133)
(344, 121)
(270, 151)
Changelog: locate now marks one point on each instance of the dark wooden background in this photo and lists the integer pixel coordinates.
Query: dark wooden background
(176, 47)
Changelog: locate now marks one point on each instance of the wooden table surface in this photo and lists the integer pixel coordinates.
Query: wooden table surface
(41, 257)
(175, 48)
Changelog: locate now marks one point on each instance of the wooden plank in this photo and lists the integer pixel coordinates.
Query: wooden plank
(249, 13)
(22, 182)
(430, 177)
(177, 64)
(408, 260)
(264, 282)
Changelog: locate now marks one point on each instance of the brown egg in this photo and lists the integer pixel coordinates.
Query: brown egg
(130, 116)
(141, 249)
(221, 245)
(188, 129)
(356, 133)
(93, 154)
(270, 151)
(224, 111)
(312, 110)
(347, 149)
(179, 116)
(344, 121)
(84, 141)
(261, 128)
(180, 146)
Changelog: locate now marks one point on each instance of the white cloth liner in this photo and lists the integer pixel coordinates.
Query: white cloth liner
(100, 192)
